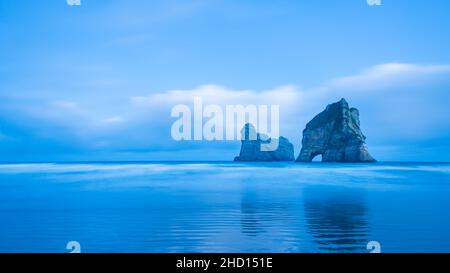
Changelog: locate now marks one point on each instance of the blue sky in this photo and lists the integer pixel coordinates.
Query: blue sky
(96, 81)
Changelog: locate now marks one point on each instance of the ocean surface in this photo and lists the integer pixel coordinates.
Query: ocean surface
(225, 207)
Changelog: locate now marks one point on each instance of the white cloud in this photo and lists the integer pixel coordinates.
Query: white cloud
(288, 98)
(215, 94)
(398, 101)
(391, 75)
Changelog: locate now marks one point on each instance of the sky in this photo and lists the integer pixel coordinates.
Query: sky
(98, 81)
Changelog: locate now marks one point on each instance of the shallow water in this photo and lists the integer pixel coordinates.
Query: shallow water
(224, 207)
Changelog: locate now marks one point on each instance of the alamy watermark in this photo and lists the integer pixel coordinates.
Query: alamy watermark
(215, 123)
(73, 247)
(374, 247)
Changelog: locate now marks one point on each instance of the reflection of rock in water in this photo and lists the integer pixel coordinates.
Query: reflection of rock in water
(250, 222)
(337, 220)
(259, 216)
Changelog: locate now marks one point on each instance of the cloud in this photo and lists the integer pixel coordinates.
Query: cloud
(221, 95)
(288, 98)
(398, 101)
(391, 75)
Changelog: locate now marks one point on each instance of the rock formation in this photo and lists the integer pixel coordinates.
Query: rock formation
(336, 135)
(251, 149)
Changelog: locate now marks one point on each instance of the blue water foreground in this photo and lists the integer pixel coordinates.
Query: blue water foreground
(224, 207)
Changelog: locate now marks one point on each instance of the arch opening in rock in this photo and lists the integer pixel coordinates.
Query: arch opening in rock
(317, 158)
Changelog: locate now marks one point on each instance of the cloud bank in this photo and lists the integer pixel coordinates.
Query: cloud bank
(400, 104)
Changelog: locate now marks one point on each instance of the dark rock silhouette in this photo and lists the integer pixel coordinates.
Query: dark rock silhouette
(251, 149)
(336, 135)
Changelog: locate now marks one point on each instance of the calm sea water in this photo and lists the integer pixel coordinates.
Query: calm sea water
(224, 207)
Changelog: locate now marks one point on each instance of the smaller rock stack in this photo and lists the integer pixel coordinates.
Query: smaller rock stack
(251, 147)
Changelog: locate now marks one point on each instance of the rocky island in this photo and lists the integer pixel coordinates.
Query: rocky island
(335, 134)
(251, 147)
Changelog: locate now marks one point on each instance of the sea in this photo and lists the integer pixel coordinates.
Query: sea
(159, 207)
